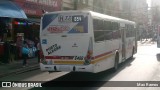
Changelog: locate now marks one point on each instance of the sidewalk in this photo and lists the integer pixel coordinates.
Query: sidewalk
(17, 67)
(146, 42)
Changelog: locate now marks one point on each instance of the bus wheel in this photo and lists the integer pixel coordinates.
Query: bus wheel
(116, 62)
(132, 53)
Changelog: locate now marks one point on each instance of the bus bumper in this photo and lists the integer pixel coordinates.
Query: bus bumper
(74, 68)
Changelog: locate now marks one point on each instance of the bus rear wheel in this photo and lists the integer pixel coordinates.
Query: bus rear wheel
(116, 63)
(132, 53)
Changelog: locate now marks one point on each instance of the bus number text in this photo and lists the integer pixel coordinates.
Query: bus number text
(79, 58)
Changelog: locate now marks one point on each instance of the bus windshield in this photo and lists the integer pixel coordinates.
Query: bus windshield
(64, 23)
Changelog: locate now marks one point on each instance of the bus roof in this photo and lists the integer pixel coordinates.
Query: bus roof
(104, 16)
(96, 15)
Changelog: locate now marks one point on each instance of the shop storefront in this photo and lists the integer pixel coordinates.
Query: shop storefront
(20, 19)
(34, 9)
(9, 10)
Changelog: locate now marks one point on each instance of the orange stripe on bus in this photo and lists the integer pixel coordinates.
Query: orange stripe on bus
(97, 59)
(101, 58)
(82, 62)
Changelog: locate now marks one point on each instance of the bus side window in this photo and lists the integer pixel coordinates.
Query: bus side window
(108, 35)
(108, 30)
(113, 25)
(95, 25)
(98, 30)
(109, 25)
(116, 34)
(105, 25)
(99, 35)
(130, 32)
(100, 24)
(133, 31)
(127, 30)
(116, 30)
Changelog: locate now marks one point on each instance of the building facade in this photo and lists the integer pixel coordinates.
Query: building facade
(155, 12)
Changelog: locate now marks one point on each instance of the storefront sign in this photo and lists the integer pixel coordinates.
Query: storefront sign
(37, 7)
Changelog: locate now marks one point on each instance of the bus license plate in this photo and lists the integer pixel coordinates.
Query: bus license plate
(64, 68)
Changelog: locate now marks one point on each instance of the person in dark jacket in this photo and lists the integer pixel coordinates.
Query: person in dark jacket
(6, 56)
(25, 53)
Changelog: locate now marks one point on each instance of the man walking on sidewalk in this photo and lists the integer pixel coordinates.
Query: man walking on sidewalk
(25, 51)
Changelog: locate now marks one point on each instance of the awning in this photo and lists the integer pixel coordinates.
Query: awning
(10, 9)
(34, 20)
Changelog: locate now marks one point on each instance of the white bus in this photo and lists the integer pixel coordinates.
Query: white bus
(85, 41)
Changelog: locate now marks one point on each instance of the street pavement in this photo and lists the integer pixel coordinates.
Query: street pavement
(16, 67)
(147, 42)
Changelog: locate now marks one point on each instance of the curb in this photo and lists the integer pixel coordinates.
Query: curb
(21, 70)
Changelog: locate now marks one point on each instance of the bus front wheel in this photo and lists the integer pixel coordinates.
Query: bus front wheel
(116, 62)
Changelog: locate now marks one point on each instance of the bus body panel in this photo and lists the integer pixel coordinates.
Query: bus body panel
(65, 35)
(129, 47)
(68, 67)
(65, 46)
(72, 47)
(106, 51)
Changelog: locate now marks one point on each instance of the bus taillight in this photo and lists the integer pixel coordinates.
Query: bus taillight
(88, 57)
(42, 59)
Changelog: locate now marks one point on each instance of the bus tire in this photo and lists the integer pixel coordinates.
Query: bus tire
(132, 53)
(116, 62)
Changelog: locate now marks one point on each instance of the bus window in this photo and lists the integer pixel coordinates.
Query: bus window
(95, 25)
(98, 30)
(130, 31)
(108, 35)
(99, 36)
(107, 25)
(100, 24)
(69, 24)
(127, 30)
(116, 34)
(115, 26)
(108, 30)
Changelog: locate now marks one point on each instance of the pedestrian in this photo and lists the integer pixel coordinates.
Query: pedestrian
(25, 52)
(36, 40)
(38, 51)
(6, 55)
(19, 44)
(12, 51)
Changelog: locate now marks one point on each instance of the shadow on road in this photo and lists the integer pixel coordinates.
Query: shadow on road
(84, 81)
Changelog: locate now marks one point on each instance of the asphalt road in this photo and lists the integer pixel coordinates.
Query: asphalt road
(144, 66)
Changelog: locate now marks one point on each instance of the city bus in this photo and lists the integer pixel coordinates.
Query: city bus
(85, 41)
